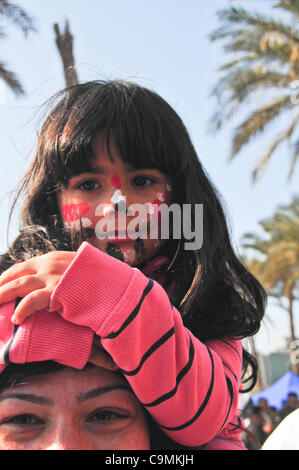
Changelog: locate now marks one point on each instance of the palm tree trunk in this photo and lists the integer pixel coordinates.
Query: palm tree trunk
(65, 47)
(259, 384)
(295, 365)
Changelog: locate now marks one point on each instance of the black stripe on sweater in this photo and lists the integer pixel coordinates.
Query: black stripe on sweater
(135, 311)
(202, 406)
(231, 392)
(180, 375)
(7, 349)
(235, 377)
(149, 352)
(231, 346)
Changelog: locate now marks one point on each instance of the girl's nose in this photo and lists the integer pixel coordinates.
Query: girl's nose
(112, 208)
(117, 203)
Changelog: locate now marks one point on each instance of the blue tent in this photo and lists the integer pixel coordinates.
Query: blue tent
(278, 392)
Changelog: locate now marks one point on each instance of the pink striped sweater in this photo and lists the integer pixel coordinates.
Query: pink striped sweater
(190, 388)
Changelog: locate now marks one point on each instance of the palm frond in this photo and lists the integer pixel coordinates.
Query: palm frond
(289, 5)
(256, 21)
(238, 86)
(18, 16)
(271, 56)
(278, 267)
(265, 157)
(11, 80)
(295, 157)
(265, 59)
(257, 122)
(243, 81)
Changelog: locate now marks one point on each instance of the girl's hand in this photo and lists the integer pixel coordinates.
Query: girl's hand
(34, 280)
(99, 357)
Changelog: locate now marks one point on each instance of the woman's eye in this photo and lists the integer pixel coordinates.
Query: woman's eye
(88, 185)
(141, 180)
(105, 417)
(23, 420)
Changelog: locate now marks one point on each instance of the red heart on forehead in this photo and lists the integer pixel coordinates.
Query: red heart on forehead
(115, 181)
(72, 212)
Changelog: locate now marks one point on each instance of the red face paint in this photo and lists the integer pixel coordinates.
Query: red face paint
(162, 197)
(115, 181)
(72, 212)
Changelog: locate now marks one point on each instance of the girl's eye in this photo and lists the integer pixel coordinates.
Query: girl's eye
(142, 180)
(23, 420)
(88, 185)
(105, 417)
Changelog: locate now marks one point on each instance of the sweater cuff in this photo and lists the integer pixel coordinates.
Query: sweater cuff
(91, 287)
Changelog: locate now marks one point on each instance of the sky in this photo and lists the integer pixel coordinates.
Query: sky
(165, 46)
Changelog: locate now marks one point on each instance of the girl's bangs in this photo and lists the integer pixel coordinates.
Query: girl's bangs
(143, 126)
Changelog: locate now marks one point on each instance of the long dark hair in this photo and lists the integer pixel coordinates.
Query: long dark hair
(215, 293)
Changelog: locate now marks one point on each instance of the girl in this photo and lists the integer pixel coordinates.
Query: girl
(172, 319)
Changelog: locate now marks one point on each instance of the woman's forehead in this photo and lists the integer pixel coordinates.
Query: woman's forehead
(67, 376)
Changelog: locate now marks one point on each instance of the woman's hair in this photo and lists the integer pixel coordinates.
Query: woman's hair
(16, 373)
(215, 293)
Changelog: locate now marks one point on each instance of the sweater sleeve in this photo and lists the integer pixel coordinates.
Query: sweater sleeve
(190, 388)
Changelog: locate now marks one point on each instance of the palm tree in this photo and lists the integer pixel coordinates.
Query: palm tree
(276, 263)
(64, 44)
(265, 62)
(22, 20)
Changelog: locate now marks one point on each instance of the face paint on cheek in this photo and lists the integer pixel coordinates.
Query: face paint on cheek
(155, 213)
(162, 197)
(72, 212)
(73, 215)
(153, 206)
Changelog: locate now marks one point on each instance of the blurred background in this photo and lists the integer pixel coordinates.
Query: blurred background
(231, 71)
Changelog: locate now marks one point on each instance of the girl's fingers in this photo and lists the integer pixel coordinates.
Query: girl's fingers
(101, 358)
(19, 287)
(16, 271)
(37, 300)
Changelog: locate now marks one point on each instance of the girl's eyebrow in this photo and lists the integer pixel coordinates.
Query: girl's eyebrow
(99, 170)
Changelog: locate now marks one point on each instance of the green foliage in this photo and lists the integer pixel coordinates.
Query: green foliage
(22, 20)
(276, 264)
(266, 61)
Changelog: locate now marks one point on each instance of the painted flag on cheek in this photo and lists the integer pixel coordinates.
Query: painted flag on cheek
(72, 212)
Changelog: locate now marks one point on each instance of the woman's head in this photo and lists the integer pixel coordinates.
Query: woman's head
(45, 407)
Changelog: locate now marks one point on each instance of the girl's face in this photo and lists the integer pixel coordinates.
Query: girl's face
(100, 200)
(91, 409)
